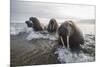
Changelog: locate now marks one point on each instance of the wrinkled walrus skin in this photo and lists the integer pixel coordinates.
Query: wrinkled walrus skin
(36, 24)
(69, 35)
(52, 26)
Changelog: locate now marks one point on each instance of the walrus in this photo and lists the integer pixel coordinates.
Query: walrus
(29, 23)
(36, 24)
(69, 35)
(52, 26)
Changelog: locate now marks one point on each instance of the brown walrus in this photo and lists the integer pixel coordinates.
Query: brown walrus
(36, 24)
(69, 35)
(52, 26)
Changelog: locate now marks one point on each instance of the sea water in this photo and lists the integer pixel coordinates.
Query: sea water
(63, 55)
(21, 11)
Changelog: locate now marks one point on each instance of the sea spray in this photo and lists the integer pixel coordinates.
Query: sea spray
(66, 56)
(41, 35)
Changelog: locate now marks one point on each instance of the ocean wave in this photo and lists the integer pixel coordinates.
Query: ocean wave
(41, 35)
(63, 55)
(66, 56)
(33, 34)
(16, 31)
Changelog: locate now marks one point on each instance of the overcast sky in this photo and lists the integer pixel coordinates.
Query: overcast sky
(27, 8)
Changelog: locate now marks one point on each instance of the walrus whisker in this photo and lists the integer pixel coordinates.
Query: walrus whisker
(62, 41)
(67, 41)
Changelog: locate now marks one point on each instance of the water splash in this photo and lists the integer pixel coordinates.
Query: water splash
(39, 35)
(66, 56)
(32, 34)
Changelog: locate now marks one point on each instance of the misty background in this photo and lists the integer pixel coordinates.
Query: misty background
(21, 10)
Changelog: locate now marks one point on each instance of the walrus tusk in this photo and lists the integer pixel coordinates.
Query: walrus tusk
(50, 26)
(67, 41)
(53, 26)
(62, 41)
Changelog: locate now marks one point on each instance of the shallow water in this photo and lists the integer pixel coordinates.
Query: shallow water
(85, 54)
(66, 56)
(86, 28)
(30, 48)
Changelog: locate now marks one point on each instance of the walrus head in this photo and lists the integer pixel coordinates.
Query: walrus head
(52, 26)
(36, 24)
(34, 20)
(65, 31)
(29, 23)
(65, 28)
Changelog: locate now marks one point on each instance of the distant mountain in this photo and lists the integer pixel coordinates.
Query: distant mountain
(92, 21)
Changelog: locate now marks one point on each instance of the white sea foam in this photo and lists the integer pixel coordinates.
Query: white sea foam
(32, 34)
(66, 56)
(38, 35)
(15, 31)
